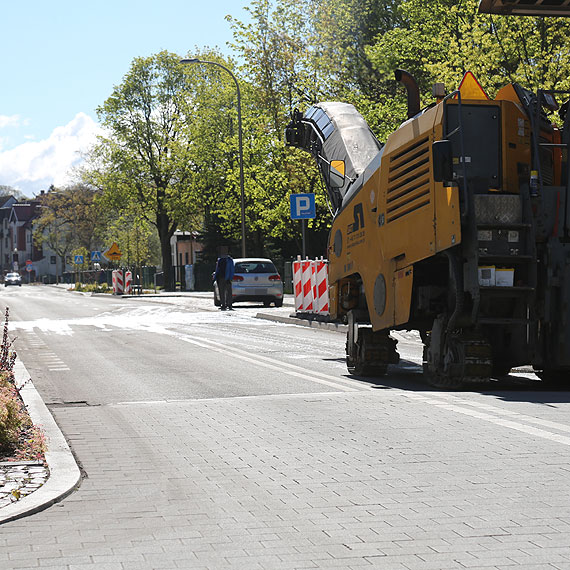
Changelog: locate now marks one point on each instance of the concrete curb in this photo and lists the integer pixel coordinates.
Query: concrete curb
(64, 474)
(303, 322)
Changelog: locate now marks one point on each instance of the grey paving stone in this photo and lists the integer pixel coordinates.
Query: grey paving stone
(340, 482)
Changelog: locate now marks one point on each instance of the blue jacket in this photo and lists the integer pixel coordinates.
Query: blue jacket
(224, 268)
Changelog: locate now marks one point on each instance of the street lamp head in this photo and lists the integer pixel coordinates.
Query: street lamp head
(190, 60)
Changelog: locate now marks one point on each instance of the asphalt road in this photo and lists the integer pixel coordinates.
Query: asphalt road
(218, 440)
(104, 349)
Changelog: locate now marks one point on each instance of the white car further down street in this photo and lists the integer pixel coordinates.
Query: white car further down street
(255, 279)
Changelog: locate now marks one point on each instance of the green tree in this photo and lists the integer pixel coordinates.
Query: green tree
(283, 70)
(214, 153)
(136, 237)
(440, 40)
(146, 157)
(70, 218)
(11, 191)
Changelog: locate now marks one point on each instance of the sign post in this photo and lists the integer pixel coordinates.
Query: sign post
(303, 208)
(78, 260)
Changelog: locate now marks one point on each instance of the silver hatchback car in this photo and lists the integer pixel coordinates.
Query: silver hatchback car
(12, 279)
(255, 279)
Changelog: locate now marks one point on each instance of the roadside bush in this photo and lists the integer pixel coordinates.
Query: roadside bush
(92, 288)
(11, 419)
(20, 440)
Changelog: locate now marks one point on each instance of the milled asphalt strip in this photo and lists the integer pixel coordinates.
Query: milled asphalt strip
(498, 420)
(64, 474)
(284, 367)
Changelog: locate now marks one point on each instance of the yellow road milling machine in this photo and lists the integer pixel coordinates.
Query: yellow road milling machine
(457, 227)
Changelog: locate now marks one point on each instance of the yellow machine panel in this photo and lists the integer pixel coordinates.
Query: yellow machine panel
(400, 202)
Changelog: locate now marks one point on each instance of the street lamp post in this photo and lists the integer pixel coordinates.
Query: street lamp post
(240, 143)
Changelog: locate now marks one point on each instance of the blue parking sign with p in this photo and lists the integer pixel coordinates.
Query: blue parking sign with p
(303, 206)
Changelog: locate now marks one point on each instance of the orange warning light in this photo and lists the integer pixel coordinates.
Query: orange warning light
(470, 88)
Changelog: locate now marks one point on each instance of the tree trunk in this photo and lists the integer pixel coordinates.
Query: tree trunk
(164, 235)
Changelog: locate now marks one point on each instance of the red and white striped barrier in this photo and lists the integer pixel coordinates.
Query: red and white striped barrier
(311, 286)
(321, 289)
(297, 286)
(118, 283)
(128, 282)
(307, 271)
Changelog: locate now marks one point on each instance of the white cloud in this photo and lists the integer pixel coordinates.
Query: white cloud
(10, 121)
(33, 166)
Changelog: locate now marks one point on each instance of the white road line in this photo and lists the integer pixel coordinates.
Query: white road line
(516, 415)
(284, 367)
(498, 420)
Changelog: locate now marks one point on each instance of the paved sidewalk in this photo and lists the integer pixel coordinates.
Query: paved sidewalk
(376, 479)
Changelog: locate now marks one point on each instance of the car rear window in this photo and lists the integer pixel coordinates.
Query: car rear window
(255, 267)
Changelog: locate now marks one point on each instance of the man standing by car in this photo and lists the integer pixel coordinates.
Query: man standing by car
(223, 277)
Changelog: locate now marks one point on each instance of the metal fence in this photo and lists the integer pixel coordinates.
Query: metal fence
(198, 278)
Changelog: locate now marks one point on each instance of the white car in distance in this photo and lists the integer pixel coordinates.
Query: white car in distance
(255, 279)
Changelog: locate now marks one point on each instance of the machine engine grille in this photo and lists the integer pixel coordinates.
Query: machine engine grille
(408, 180)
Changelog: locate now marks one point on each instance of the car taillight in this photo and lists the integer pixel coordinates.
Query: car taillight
(237, 278)
(275, 278)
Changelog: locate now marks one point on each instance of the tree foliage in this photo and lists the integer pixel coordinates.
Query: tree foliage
(283, 70)
(138, 239)
(171, 151)
(11, 191)
(145, 159)
(440, 40)
(71, 218)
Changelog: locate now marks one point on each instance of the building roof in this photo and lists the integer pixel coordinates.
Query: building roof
(25, 211)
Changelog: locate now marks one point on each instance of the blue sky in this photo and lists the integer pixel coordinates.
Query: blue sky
(61, 59)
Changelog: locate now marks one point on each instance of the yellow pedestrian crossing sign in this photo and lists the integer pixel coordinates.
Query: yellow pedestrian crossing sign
(113, 253)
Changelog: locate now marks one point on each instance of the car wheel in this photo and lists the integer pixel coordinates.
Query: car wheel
(266, 303)
(278, 302)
